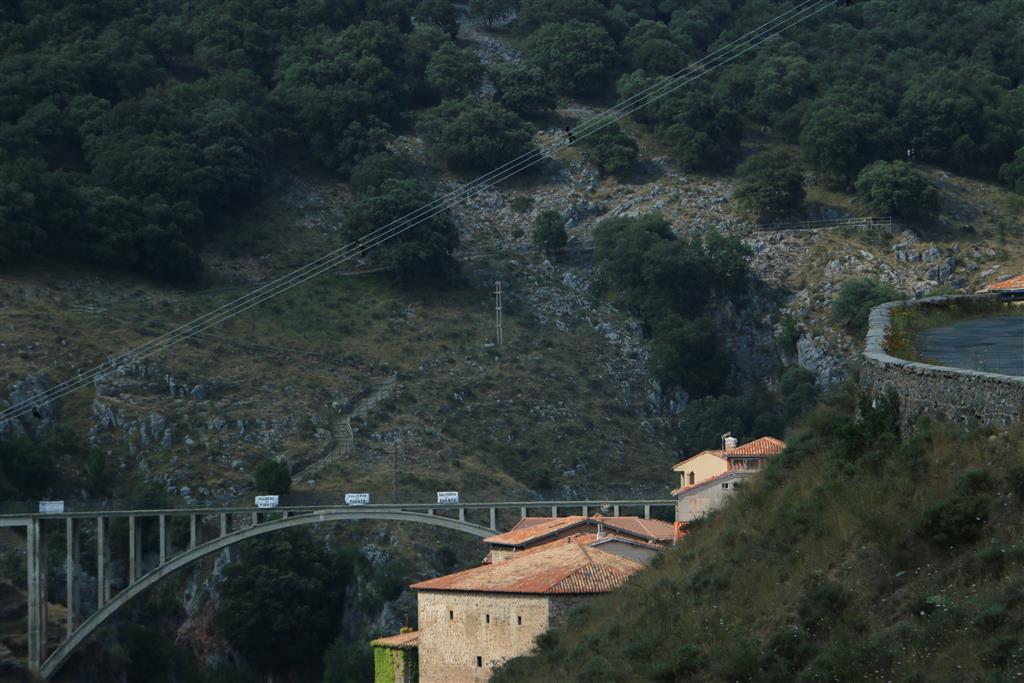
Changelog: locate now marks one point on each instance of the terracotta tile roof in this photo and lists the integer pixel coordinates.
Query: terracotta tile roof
(1013, 283)
(766, 445)
(557, 569)
(649, 529)
(401, 641)
(530, 529)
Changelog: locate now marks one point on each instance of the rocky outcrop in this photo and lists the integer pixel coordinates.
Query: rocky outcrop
(41, 418)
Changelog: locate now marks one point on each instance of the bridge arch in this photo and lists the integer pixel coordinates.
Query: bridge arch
(91, 623)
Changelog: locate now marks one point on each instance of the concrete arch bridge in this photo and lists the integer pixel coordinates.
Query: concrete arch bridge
(186, 535)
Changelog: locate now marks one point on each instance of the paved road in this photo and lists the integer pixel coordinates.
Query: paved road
(989, 344)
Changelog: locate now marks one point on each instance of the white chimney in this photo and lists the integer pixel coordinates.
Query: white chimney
(730, 443)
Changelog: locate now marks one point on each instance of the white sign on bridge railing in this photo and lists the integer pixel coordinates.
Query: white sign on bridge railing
(447, 496)
(267, 501)
(51, 506)
(357, 499)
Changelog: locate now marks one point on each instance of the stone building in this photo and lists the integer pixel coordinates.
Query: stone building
(395, 659)
(632, 537)
(709, 477)
(472, 621)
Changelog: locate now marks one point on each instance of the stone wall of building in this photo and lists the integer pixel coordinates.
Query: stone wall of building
(458, 628)
(696, 502)
(952, 394)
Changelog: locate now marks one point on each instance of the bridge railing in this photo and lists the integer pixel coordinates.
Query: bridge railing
(302, 499)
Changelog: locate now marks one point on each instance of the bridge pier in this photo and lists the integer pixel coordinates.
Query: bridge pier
(102, 562)
(71, 565)
(193, 532)
(462, 514)
(134, 549)
(586, 510)
(494, 519)
(223, 524)
(35, 562)
(554, 510)
(647, 511)
(163, 539)
(255, 519)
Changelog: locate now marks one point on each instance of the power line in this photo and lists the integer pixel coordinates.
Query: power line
(663, 88)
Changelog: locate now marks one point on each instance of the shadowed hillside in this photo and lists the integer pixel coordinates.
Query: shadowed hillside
(860, 555)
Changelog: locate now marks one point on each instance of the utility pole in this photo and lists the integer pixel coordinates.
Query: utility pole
(394, 471)
(497, 312)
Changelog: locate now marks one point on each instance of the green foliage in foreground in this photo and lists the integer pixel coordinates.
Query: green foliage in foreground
(897, 189)
(858, 551)
(856, 299)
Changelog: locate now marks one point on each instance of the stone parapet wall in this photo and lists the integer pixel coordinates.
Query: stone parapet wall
(953, 394)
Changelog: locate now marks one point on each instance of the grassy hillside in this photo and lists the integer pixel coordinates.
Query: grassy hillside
(860, 555)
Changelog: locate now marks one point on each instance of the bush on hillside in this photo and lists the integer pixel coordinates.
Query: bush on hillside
(523, 89)
(272, 476)
(371, 173)
(423, 252)
(611, 149)
(473, 134)
(771, 185)
(453, 73)
(578, 57)
(490, 10)
(549, 231)
(855, 300)
(1012, 172)
(897, 189)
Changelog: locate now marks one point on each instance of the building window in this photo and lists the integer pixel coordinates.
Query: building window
(479, 661)
(520, 620)
(691, 478)
(488, 618)
(725, 486)
(451, 614)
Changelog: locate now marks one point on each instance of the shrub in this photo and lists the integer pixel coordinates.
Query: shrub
(549, 231)
(577, 57)
(770, 184)
(856, 299)
(1012, 172)
(897, 189)
(474, 134)
(370, 173)
(453, 73)
(273, 477)
(821, 605)
(612, 150)
(955, 521)
(522, 89)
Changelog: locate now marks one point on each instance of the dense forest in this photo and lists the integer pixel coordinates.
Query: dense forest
(129, 130)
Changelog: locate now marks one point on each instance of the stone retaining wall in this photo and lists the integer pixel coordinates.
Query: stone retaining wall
(952, 394)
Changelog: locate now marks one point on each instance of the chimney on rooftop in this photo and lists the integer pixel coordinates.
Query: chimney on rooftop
(728, 441)
(600, 531)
